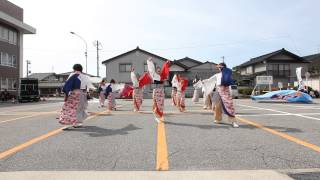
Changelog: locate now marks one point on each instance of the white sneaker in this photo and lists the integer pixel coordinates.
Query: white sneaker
(217, 122)
(235, 125)
(156, 119)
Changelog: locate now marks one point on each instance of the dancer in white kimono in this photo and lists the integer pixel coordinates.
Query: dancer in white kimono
(196, 92)
(175, 84)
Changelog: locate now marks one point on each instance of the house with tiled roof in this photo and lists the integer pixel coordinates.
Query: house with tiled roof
(280, 64)
(314, 70)
(119, 67)
(51, 83)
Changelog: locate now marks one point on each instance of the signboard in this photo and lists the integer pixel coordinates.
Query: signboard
(264, 80)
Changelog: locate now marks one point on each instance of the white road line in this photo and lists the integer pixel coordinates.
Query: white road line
(283, 112)
(306, 106)
(245, 115)
(39, 106)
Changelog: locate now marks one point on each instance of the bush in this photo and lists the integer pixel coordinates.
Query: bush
(246, 91)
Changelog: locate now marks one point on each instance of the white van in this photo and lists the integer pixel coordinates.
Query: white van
(234, 91)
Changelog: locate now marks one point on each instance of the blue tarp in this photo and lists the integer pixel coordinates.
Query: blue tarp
(288, 95)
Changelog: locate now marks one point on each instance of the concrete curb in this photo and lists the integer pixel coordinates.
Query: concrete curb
(146, 175)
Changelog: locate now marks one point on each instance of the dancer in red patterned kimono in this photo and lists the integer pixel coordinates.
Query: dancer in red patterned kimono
(110, 94)
(75, 105)
(223, 100)
(157, 78)
(137, 94)
(182, 86)
(101, 93)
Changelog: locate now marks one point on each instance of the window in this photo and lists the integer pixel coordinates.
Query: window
(280, 70)
(1, 29)
(15, 38)
(14, 61)
(249, 70)
(8, 60)
(11, 37)
(4, 83)
(5, 59)
(125, 67)
(5, 34)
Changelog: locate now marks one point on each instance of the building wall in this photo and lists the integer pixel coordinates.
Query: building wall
(9, 74)
(203, 71)
(137, 59)
(314, 82)
(260, 68)
(188, 63)
(11, 9)
(176, 68)
(247, 70)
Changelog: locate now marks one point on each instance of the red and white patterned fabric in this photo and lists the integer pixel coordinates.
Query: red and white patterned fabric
(174, 97)
(111, 101)
(137, 98)
(226, 100)
(181, 101)
(158, 102)
(145, 79)
(165, 71)
(68, 114)
(102, 98)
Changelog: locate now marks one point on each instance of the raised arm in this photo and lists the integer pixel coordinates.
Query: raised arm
(174, 81)
(151, 68)
(134, 79)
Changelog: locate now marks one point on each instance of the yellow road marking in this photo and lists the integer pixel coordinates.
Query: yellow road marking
(37, 139)
(29, 143)
(162, 149)
(23, 117)
(283, 135)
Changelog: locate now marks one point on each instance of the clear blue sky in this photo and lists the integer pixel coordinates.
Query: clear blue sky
(204, 30)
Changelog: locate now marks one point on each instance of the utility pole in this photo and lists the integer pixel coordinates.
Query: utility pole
(97, 44)
(28, 62)
(222, 59)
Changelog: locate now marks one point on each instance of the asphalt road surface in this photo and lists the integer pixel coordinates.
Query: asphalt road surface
(280, 138)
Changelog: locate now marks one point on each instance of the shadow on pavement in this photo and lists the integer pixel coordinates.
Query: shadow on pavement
(94, 131)
(213, 126)
(223, 125)
(278, 128)
(306, 176)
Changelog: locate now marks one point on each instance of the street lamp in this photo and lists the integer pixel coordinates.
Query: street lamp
(86, 52)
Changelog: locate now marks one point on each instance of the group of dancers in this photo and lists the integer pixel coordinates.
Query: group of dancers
(216, 93)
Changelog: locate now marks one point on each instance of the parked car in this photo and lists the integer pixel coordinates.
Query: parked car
(234, 91)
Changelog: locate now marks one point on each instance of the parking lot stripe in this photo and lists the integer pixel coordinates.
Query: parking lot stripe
(29, 143)
(284, 112)
(38, 139)
(23, 117)
(283, 135)
(162, 149)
